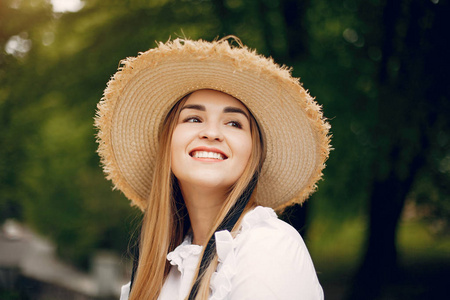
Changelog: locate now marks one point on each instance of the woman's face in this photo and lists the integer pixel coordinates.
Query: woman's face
(212, 142)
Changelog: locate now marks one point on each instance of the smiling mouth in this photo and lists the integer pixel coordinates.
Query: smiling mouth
(208, 154)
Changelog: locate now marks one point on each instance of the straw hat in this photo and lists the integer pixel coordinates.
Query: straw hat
(145, 88)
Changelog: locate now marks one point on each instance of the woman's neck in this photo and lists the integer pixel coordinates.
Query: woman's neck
(203, 206)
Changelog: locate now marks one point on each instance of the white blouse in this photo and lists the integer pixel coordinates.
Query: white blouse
(266, 260)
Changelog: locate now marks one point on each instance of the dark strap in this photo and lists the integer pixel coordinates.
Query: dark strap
(227, 224)
(135, 261)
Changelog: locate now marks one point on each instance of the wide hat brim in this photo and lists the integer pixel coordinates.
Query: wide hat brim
(144, 89)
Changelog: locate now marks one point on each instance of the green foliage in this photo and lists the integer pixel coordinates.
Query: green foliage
(373, 91)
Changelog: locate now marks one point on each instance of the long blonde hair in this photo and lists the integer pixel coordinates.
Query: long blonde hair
(166, 219)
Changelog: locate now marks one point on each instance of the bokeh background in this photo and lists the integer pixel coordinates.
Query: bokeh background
(378, 227)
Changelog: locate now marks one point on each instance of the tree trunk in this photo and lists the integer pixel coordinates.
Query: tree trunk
(387, 199)
(406, 155)
(294, 12)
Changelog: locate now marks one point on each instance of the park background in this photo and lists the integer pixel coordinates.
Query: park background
(378, 226)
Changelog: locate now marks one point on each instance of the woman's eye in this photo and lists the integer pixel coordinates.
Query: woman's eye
(192, 120)
(235, 124)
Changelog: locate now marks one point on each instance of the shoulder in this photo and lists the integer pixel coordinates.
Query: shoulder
(272, 260)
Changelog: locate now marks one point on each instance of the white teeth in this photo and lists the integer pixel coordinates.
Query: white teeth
(206, 154)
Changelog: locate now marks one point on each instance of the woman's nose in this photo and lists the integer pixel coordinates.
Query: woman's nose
(211, 131)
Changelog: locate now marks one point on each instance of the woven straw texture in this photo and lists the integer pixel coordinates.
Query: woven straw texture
(145, 88)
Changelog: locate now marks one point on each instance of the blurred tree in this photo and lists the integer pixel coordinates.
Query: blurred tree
(412, 113)
(15, 42)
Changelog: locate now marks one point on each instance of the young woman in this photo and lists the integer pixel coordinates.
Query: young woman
(207, 139)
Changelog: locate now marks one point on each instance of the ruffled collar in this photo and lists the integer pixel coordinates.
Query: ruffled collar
(186, 255)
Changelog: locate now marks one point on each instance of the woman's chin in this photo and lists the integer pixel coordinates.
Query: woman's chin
(208, 183)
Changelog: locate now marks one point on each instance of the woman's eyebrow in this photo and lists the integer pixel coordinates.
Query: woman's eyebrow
(194, 106)
(232, 109)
